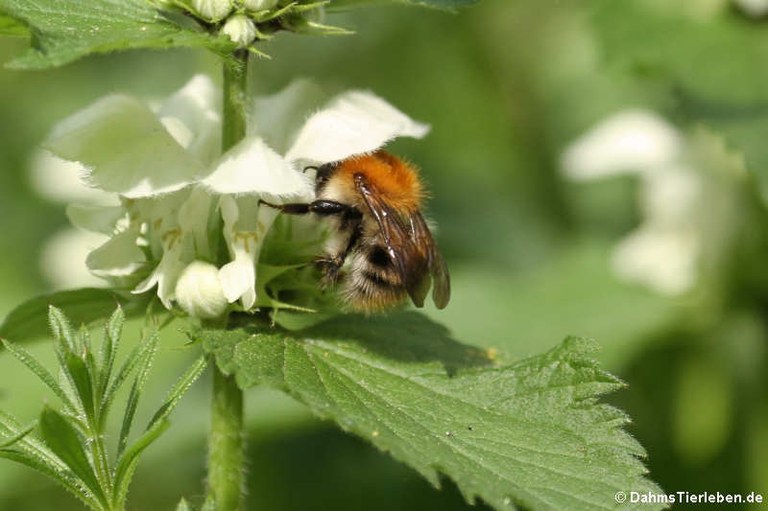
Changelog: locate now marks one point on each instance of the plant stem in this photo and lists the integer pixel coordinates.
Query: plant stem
(235, 104)
(225, 444)
(225, 456)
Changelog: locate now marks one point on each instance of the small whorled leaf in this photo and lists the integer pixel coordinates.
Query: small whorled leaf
(62, 438)
(129, 459)
(137, 388)
(113, 330)
(531, 434)
(77, 372)
(29, 321)
(66, 479)
(178, 390)
(66, 30)
(16, 437)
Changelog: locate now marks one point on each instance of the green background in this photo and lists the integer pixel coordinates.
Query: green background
(506, 86)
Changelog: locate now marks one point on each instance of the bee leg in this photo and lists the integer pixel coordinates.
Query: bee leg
(330, 268)
(320, 207)
(350, 219)
(332, 263)
(296, 208)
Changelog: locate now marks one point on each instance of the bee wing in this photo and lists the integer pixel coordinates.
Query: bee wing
(441, 283)
(410, 246)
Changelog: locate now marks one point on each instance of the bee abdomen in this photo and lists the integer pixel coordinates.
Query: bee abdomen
(378, 257)
(373, 284)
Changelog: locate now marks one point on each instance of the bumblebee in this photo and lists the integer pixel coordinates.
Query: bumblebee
(380, 250)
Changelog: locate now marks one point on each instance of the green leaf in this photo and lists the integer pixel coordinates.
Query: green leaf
(446, 5)
(12, 27)
(132, 361)
(77, 373)
(126, 466)
(62, 330)
(66, 30)
(65, 479)
(147, 357)
(129, 459)
(8, 442)
(177, 392)
(531, 434)
(29, 321)
(30, 445)
(62, 438)
(113, 330)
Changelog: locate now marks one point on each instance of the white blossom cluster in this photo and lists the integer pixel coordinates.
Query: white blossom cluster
(663, 252)
(177, 204)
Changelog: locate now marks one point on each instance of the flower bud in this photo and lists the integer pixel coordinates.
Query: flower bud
(240, 29)
(212, 10)
(199, 292)
(259, 5)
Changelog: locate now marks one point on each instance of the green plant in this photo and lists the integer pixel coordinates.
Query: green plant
(189, 178)
(72, 447)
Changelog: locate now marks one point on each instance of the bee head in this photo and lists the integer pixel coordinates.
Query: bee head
(322, 174)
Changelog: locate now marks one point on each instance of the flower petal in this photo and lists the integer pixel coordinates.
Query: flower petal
(672, 197)
(251, 167)
(63, 259)
(665, 260)
(193, 218)
(633, 141)
(177, 255)
(100, 219)
(63, 181)
(127, 149)
(278, 117)
(119, 257)
(353, 123)
(245, 226)
(158, 218)
(195, 110)
(238, 277)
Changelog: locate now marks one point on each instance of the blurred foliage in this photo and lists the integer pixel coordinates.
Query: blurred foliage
(506, 86)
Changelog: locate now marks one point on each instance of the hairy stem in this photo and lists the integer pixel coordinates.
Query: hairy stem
(235, 103)
(225, 443)
(225, 456)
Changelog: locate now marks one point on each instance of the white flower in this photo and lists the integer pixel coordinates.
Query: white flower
(240, 29)
(632, 141)
(63, 255)
(663, 253)
(62, 261)
(180, 199)
(755, 8)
